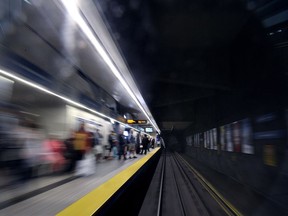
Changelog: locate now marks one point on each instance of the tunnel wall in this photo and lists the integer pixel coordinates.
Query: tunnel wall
(263, 167)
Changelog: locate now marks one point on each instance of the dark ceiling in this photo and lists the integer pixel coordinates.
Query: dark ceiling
(189, 55)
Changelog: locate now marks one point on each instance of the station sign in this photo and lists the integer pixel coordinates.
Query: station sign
(149, 130)
(131, 121)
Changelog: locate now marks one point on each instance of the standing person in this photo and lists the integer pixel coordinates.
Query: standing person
(149, 144)
(139, 145)
(91, 139)
(122, 145)
(132, 145)
(153, 143)
(80, 142)
(145, 143)
(112, 142)
(85, 158)
(98, 145)
(54, 150)
(69, 153)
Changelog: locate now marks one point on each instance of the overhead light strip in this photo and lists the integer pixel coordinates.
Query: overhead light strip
(10, 75)
(71, 7)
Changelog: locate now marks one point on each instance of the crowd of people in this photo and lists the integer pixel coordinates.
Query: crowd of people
(118, 145)
(26, 153)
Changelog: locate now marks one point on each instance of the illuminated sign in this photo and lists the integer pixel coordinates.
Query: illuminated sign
(131, 121)
(142, 121)
(149, 130)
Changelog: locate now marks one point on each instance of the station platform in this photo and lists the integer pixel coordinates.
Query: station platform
(70, 194)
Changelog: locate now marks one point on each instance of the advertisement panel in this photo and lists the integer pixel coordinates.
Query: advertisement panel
(247, 145)
(236, 139)
(189, 141)
(205, 140)
(214, 132)
(222, 138)
(208, 139)
(229, 138)
(269, 133)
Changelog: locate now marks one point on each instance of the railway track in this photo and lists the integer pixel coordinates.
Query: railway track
(178, 189)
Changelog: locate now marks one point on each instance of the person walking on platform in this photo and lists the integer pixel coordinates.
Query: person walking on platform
(81, 138)
(85, 165)
(145, 143)
(122, 145)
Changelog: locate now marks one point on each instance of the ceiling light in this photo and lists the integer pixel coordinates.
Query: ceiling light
(71, 7)
(76, 104)
(28, 2)
(5, 79)
(28, 113)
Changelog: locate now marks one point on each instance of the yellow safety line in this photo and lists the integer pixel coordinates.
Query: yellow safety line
(91, 202)
(219, 196)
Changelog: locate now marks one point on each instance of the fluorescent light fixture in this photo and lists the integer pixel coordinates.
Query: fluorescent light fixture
(36, 86)
(71, 7)
(28, 113)
(5, 79)
(28, 2)
(88, 120)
